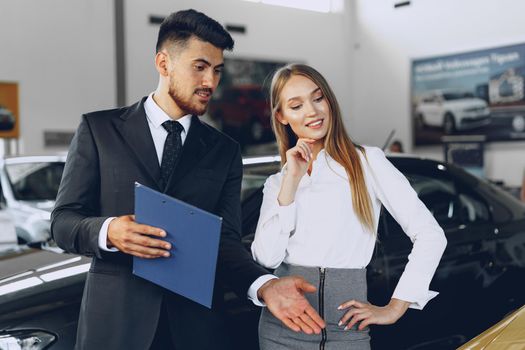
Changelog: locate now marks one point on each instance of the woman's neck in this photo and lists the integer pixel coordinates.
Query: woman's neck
(317, 147)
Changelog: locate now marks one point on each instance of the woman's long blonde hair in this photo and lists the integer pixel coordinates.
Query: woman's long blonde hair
(337, 142)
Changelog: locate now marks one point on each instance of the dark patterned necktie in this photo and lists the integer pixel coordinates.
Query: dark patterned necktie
(172, 150)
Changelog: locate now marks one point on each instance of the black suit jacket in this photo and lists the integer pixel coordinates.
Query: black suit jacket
(110, 151)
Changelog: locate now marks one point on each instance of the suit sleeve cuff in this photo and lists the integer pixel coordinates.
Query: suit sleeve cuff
(254, 288)
(103, 236)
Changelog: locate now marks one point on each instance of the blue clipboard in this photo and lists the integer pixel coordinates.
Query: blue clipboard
(194, 235)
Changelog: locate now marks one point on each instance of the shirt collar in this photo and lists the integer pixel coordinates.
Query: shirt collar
(156, 116)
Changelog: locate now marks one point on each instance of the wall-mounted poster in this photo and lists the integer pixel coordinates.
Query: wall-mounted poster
(8, 110)
(474, 93)
(240, 106)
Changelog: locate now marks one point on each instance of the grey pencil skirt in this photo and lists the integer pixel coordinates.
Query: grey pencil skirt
(334, 286)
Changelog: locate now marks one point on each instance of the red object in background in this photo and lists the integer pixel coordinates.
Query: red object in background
(243, 109)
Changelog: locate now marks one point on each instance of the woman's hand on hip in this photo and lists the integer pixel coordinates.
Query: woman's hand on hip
(369, 314)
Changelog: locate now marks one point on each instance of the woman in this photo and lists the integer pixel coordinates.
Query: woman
(319, 218)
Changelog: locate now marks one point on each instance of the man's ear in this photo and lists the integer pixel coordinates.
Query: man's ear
(280, 118)
(161, 63)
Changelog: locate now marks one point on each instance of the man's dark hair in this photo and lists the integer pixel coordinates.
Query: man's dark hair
(180, 26)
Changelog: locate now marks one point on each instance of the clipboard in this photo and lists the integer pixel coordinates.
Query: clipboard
(194, 235)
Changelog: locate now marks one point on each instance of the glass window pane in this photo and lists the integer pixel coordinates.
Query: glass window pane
(439, 196)
(35, 181)
(473, 209)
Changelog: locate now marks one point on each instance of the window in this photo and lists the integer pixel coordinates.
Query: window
(431, 99)
(35, 181)
(251, 183)
(448, 205)
(457, 95)
(255, 176)
(451, 206)
(473, 209)
(439, 196)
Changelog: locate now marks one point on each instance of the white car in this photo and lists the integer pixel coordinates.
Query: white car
(29, 189)
(8, 238)
(453, 110)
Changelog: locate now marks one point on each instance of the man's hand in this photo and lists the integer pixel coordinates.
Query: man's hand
(132, 238)
(285, 299)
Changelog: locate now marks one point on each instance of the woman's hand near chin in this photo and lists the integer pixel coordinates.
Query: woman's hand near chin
(369, 314)
(298, 159)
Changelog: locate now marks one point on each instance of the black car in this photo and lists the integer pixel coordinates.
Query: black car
(480, 278)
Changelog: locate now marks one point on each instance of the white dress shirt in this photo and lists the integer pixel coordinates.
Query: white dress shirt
(156, 116)
(321, 229)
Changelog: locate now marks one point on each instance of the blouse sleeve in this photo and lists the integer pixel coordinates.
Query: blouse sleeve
(428, 239)
(276, 224)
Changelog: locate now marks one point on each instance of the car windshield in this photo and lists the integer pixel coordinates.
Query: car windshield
(255, 175)
(35, 181)
(457, 95)
(251, 183)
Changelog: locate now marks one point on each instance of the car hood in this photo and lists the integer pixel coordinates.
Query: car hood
(28, 274)
(22, 259)
(506, 334)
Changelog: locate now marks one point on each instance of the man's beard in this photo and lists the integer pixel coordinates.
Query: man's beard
(185, 104)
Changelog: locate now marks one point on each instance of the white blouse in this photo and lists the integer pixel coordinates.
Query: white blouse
(321, 229)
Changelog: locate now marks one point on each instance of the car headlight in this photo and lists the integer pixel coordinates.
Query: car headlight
(26, 339)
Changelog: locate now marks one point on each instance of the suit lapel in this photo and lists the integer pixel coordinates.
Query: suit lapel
(198, 142)
(134, 129)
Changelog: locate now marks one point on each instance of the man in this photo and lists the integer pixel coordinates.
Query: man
(161, 143)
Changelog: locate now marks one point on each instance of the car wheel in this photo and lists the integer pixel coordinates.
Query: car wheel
(449, 124)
